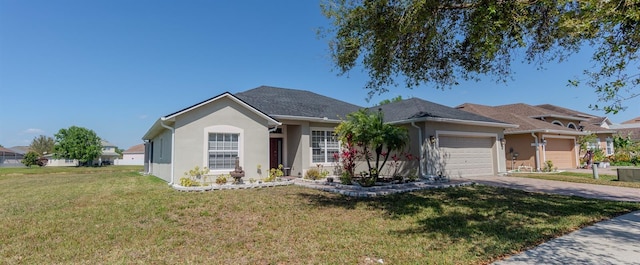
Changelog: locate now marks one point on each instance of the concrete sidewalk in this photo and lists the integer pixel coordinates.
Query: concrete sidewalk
(615, 241)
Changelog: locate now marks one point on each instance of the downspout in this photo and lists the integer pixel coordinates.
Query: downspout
(537, 152)
(273, 129)
(173, 145)
(420, 166)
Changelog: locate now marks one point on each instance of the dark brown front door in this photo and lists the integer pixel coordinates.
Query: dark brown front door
(275, 152)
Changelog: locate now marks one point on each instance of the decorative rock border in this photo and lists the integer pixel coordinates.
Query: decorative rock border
(375, 191)
(232, 186)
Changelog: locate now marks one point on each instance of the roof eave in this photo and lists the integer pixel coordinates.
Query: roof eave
(457, 121)
(303, 118)
(559, 117)
(547, 131)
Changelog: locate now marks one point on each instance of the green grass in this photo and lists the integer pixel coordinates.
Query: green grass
(603, 179)
(95, 215)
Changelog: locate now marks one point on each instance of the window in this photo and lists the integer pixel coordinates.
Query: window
(323, 145)
(223, 150)
(557, 123)
(571, 125)
(593, 145)
(609, 146)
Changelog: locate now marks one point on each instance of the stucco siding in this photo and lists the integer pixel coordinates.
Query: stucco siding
(222, 116)
(161, 156)
(521, 144)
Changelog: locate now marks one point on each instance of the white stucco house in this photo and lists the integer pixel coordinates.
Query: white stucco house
(268, 126)
(134, 156)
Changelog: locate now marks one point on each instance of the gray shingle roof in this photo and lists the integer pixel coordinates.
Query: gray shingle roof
(415, 108)
(293, 102)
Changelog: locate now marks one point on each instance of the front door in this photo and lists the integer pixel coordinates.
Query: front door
(275, 152)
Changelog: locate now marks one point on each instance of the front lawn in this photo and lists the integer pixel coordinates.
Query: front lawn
(603, 179)
(87, 216)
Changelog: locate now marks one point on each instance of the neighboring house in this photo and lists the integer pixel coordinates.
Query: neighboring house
(268, 126)
(629, 128)
(134, 156)
(600, 126)
(545, 133)
(107, 157)
(10, 158)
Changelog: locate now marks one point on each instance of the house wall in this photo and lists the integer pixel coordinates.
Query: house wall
(223, 115)
(62, 162)
(521, 144)
(160, 165)
(294, 149)
(130, 160)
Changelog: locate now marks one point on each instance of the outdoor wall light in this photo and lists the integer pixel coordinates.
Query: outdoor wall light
(503, 142)
(432, 139)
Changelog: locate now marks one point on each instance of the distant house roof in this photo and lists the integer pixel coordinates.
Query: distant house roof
(136, 149)
(415, 109)
(107, 144)
(292, 103)
(566, 111)
(631, 121)
(521, 114)
(7, 151)
(21, 149)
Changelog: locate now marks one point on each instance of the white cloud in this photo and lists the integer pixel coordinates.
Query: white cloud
(33, 131)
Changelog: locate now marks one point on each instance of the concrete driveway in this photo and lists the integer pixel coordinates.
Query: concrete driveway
(615, 241)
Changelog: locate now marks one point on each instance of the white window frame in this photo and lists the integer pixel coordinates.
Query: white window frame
(224, 129)
(328, 132)
(557, 122)
(571, 124)
(609, 146)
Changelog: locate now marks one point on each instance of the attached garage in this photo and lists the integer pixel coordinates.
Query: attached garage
(467, 156)
(561, 152)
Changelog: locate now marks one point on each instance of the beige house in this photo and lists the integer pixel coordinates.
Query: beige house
(268, 126)
(545, 133)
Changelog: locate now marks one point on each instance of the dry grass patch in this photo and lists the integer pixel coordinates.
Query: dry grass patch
(121, 217)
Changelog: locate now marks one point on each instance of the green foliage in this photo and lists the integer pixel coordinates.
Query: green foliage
(275, 173)
(222, 179)
(387, 101)
(548, 166)
(346, 178)
(369, 132)
(598, 155)
(584, 141)
(194, 177)
(188, 182)
(30, 159)
(413, 175)
(42, 145)
(444, 42)
(77, 143)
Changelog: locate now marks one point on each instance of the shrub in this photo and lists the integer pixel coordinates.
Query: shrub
(275, 173)
(188, 182)
(222, 179)
(313, 174)
(548, 166)
(30, 159)
(345, 178)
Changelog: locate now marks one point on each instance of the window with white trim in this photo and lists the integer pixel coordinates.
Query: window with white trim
(223, 150)
(609, 146)
(593, 145)
(324, 145)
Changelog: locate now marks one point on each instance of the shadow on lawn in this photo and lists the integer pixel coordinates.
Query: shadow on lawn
(510, 218)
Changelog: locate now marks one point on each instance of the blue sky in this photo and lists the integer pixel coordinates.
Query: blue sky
(116, 66)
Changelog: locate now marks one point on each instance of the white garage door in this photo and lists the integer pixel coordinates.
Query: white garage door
(467, 156)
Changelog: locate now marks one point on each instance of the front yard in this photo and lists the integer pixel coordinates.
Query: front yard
(114, 215)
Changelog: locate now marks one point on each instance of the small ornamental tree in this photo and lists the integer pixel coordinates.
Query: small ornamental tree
(77, 143)
(30, 159)
(376, 139)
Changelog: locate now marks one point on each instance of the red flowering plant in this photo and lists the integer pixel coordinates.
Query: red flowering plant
(375, 140)
(347, 158)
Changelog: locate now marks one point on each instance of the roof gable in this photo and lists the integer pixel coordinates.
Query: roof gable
(277, 101)
(136, 149)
